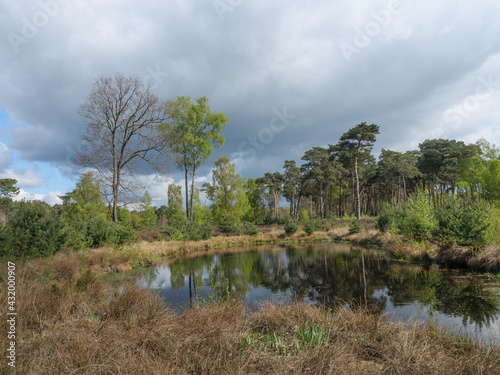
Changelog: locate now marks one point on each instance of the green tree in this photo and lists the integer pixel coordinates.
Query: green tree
(396, 168)
(194, 133)
(356, 144)
(254, 197)
(273, 182)
(147, 213)
(8, 188)
(440, 161)
(291, 185)
(85, 199)
(226, 191)
(174, 209)
(322, 171)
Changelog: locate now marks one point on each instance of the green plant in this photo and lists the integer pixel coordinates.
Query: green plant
(251, 230)
(228, 224)
(355, 226)
(34, 230)
(311, 226)
(313, 337)
(462, 220)
(183, 229)
(290, 227)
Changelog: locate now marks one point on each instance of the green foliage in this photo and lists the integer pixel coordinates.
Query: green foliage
(355, 226)
(311, 226)
(174, 209)
(418, 221)
(305, 339)
(95, 230)
(193, 133)
(8, 188)
(147, 214)
(228, 224)
(84, 200)
(304, 216)
(183, 229)
(462, 220)
(227, 191)
(290, 227)
(493, 231)
(251, 230)
(34, 230)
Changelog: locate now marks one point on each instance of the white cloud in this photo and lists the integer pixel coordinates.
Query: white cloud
(27, 178)
(5, 157)
(51, 197)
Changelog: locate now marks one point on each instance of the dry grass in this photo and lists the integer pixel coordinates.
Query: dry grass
(69, 323)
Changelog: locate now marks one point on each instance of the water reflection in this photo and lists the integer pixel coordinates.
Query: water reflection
(330, 274)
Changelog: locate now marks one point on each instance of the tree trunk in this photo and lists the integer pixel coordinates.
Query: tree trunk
(192, 192)
(340, 200)
(187, 191)
(404, 188)
(358, 208)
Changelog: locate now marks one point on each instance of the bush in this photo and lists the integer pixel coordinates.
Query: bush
(311, 226)
(270, 220)
(251, 230)
(304, 216)
(228, 224)
(493, 232)
(94, 231)
(34, 229)
(355, 226)
(290, 227)
(183, 229)
(415, 220)
(463, 220)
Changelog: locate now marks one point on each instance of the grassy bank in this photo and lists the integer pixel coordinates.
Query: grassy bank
(70, 323)
(123, 258)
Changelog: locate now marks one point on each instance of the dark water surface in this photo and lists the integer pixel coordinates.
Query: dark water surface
(332, 274)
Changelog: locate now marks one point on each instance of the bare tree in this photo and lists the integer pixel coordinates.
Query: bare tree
(121, 139)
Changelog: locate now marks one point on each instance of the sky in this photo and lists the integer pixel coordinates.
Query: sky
(290, 75)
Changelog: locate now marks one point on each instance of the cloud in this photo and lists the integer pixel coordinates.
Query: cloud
(6, 157)
(51, 197)
(26, 178)
(259, 56)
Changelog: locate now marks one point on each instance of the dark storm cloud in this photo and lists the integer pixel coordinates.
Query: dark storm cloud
(406, 64)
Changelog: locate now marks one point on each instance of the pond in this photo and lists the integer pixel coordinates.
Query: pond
(333, 274)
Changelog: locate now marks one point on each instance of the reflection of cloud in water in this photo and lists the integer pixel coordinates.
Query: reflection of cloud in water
(332, 274)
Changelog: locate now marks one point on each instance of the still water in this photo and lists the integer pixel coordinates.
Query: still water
(333, 274)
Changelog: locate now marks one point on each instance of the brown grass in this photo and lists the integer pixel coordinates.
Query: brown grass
(70, 323)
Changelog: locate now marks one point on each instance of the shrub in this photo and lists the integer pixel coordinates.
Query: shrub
(462, 220)
(270, 220)
(290, 227)
(183, 229)
(197, 232)
(311, 226)
(355, 226)
(388, 218)
(493, 232)
(228, 224)
(125, 233)
(418, 221)
(251, 230)
(34, 230)
(94, 231)
(304, 216)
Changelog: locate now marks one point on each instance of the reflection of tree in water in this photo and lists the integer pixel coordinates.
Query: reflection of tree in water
(330, 276)
(447, 295)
